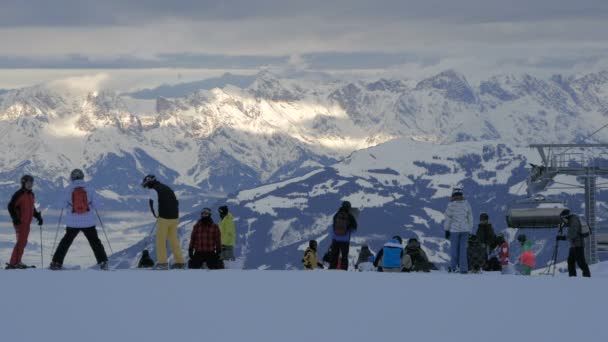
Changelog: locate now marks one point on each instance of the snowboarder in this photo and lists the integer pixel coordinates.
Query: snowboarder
(415, 259)
(576, 254)
(310, 260)
(364, 255)
(22, 209)
(390, 257)
(458, 225)
(205, 243)
(526, 258)
(228, 233)
(167, 222)
(79, 206)
(344, 224)
(476, 255)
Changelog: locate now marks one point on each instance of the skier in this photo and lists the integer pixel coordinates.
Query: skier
(205, 243)
(79, 206)
(476, 255)
(228, 233)
(576, 254)
(344, 224)
(21, 209)
(167, 222)
(390, 257)
(415, 259)
(526, 258)
(458, 224)
(310, 260)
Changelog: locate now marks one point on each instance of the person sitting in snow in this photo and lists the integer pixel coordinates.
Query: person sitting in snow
(476, 255)
(526, 259)
(415, 259)
(145, 261)
(367, 266)
(364, 255)
(310, 257)
(390, 257)
(498, 260)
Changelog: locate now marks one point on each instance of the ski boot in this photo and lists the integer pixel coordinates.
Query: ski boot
(178, 266)
(103, 266)
(161, 267)
(55, 266)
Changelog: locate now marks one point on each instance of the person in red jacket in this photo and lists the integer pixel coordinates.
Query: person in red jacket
(205, 243)
(22, 210)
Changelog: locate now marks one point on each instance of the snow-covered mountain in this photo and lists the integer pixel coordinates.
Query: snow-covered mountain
(401, 187)
(215, 142)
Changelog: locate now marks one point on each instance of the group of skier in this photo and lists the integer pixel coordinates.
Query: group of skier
(470, 251)
(210, 245)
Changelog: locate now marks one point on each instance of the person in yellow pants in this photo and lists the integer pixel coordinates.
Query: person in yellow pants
(167, 222)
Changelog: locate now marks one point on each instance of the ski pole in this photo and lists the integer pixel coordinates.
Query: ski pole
(57, 233)
(104, 231)
(41, 252)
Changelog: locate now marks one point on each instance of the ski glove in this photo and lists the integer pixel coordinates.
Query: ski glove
(16, 221)
(38, 217)
(447, 234)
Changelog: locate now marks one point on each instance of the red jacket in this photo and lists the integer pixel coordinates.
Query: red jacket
(206, 238)
(503, 254)
(22, 207)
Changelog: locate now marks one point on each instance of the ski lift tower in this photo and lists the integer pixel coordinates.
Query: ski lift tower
(580, 160)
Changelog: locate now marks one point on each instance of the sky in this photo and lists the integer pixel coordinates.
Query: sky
(477, 37)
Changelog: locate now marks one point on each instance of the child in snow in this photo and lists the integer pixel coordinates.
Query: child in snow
(499, 258)
(526, 259)
(310, 257)
(364, 255)
(367, 266)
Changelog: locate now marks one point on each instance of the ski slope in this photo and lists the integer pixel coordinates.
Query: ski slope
(230, 305)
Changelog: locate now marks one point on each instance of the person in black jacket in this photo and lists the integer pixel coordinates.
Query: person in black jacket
(344, 224)
(485, 234)
(167, 221)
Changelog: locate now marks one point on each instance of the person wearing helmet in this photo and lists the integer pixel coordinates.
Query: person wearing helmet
(390, 257)
(344, 224)
(163, 199)
(205, 243)
(228, 233)
(22, 209)
(527, 260)
(576, 254)
(79, 208)
(458, 225)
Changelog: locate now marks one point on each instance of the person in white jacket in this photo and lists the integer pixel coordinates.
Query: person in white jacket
(458, 225)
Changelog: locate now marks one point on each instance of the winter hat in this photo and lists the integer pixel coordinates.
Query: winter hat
(206, 212)
(457, 191)
(26, 178)
(565, 213)
(521, 238)
(500, 238)
(398, 238)
(484, 217)
(346, 205)
(148, 181)
(223, 210)
(312, 244)
(76, 174)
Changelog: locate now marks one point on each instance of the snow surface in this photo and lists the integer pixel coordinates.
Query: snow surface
(234, 305)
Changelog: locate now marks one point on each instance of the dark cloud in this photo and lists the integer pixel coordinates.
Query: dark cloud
(19, 13)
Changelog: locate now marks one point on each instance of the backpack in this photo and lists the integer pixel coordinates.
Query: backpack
(585, 229)
(341, 223)
(80, 201)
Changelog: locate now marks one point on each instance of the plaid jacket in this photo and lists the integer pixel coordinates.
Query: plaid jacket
(206, 238)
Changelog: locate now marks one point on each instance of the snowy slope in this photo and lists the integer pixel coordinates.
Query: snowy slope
(297, 306)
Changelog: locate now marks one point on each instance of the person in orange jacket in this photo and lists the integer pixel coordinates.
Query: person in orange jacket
(22, 210)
